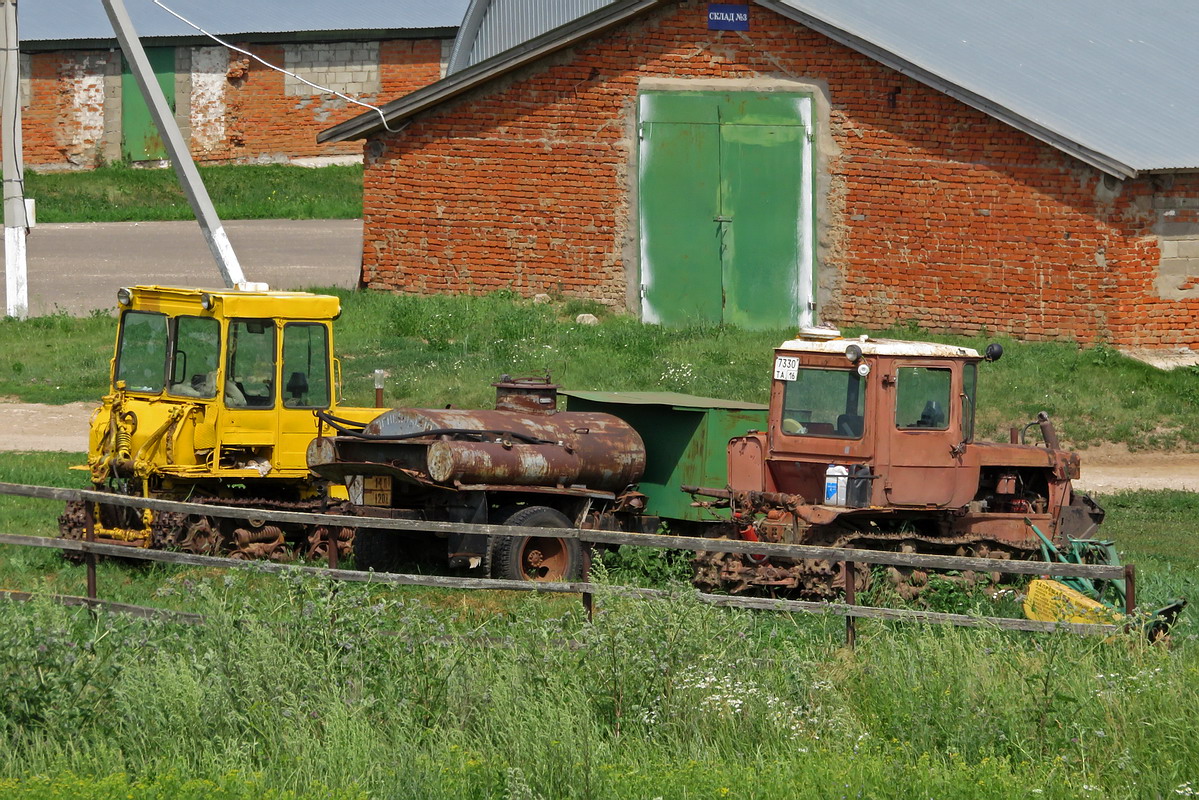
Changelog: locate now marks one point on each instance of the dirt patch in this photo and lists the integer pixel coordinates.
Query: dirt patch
(1105, 469)
(32, 426)
(1111, 468)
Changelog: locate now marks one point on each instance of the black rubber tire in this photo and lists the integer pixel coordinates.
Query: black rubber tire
(379, 550)
(531, 558)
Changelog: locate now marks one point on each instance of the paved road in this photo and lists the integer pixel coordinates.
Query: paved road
(78, 267)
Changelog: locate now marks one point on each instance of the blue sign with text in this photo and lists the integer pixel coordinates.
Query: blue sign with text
(727, 17)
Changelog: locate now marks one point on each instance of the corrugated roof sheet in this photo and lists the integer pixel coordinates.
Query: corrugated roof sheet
(492, 26)
(65, 20)
(1107, 81)
(1111, 75)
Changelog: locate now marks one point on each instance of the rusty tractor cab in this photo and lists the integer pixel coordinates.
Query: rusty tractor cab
(870, 443)
(213, 395)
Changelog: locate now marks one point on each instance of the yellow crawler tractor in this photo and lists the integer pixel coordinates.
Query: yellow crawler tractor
(213, 398)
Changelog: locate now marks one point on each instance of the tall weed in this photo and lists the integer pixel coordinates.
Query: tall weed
(294, 685)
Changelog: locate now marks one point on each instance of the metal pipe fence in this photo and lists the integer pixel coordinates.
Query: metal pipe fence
(849, 558)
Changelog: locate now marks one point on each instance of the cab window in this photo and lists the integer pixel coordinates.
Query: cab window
(969, 391)
(922, 398)
(195, 357)
(142, 353)
(251, 367)
(305, 365)
(824, 402)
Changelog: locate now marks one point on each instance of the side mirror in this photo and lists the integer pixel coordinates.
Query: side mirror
(994, 351)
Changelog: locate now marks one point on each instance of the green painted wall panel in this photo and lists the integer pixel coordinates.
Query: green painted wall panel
(714, 108)
(761, 174)
(140, 140)
(680, 197)
(722, 175)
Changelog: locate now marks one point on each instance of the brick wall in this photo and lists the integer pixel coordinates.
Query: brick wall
(63, 121)
(236, 109)
(931, 211)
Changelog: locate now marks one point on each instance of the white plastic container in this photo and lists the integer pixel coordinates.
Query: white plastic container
(836, 478)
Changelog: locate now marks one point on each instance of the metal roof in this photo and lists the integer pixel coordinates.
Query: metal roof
(1103, 80)
(492, 26)
(85, 20)
(1106, 80)
(452, 86)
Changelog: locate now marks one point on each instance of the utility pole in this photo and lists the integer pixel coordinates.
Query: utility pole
(15, 221)
(185, 167)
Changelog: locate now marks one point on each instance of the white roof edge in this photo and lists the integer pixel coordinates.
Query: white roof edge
(879, 347)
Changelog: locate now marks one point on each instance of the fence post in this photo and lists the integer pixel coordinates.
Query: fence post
(89, 533)
(588, 598)
(334, 539)
(851, 630)
(1130, 589)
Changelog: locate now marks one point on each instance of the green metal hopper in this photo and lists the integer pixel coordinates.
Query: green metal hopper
(686, 439)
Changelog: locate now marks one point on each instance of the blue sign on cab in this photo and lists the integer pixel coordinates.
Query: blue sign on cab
(728, 17)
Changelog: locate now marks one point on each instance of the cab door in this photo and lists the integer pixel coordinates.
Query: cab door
(250, 421)
(928, 462)
(305, 386)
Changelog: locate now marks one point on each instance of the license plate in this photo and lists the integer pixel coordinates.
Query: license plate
(376, 490)
(786, 368)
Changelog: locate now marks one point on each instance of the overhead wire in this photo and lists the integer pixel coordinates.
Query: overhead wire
(269, 65)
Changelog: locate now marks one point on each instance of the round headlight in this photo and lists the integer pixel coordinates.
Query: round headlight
(206, 301)
(124, 296)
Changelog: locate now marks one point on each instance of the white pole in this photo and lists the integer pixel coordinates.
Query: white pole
(15, 222)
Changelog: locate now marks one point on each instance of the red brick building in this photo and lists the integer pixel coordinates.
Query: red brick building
(556, 168)
(81, 106)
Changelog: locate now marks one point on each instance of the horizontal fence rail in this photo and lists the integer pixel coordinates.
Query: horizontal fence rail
(91, 602)
(848, 609)
(796, 551)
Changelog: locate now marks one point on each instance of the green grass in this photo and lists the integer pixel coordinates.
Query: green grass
(56, 358)
(440, 350)
(121, 193)
(296, 687)
(301, 688)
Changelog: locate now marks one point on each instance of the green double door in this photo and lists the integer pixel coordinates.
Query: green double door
(725, 188)
(140, 140)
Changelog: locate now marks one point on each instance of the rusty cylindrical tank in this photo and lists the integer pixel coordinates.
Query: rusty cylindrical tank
(595, 450)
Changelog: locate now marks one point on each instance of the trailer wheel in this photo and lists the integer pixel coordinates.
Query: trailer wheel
(537, 558)
(378, 550)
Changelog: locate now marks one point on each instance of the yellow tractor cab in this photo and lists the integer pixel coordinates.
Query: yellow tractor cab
(214, 394)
